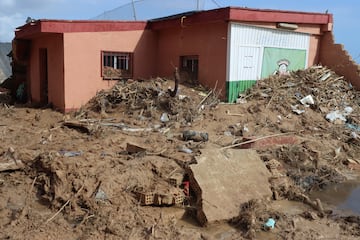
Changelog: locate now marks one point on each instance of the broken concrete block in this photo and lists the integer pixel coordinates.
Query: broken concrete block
(146, 198)
(178, 199)
(224, 180)
(163, 199)
(133, 148)
(176, 179)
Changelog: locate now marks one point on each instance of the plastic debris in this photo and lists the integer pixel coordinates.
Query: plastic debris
(352, 126)
(307, 100)
(164, 117)
(336, 116)
(270, 224)
(184, 149)
(70, 153)
(354, 135)
(227, 133)
(296, 110)
(101, 195)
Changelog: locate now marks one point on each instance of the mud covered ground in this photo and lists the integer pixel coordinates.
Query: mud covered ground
(73, 176)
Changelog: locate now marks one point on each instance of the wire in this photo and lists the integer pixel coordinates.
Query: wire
(216, 3)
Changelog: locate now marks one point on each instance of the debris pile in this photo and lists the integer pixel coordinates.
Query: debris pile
(317, 88)
(145, 166)
(147, 98)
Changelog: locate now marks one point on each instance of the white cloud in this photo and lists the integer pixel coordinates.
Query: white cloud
(13, 13)
(8, 25)
(7, 3)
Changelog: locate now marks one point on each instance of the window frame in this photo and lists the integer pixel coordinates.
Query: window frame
(193, 69)
(116, 58)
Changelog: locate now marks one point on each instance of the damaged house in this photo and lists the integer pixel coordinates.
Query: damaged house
(67, 62)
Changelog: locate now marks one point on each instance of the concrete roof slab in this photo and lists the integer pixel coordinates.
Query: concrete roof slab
(227, 179)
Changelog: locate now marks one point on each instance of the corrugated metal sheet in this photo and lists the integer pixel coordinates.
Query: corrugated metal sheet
(5, 67)
(245, 62)
(243, 35)
(246, 46)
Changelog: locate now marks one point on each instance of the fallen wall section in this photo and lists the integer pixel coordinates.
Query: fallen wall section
(335, 57)
(224, 180)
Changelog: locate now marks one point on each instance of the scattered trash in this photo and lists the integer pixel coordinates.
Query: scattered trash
(270, 224)
(195, 135)
(227, 133)
(65, 153)
(164, 117)
(354, 135)
(339, 117)
(295, 110)
(334, 116)
(182, 97)
(185, 149)
(307, 100)
(245, 129)
(353, 127)
(325, 76)
(337, 152)
(101, 195)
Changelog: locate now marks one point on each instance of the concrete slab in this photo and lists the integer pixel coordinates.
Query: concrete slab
(225, 179)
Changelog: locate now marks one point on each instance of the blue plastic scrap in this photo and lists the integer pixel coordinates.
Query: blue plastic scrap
(270, 223)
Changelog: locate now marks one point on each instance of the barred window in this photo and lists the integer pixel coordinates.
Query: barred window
(116, 65)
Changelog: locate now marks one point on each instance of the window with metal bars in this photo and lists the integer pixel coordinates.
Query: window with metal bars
(116, 65)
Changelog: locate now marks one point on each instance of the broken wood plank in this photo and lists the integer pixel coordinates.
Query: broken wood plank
(83, 127)
(11, 165)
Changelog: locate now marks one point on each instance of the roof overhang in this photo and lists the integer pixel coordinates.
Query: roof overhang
(34, 28)
(243, 15)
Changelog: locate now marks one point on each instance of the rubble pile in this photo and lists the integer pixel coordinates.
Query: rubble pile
(112, 171)
(316, 87)
(148, 98)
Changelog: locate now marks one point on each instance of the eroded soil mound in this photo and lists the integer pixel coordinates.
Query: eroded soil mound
(83, 174)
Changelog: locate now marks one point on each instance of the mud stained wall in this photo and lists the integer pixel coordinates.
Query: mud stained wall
(82, 64)
(337, 58)
(207, 41)
(53, 43)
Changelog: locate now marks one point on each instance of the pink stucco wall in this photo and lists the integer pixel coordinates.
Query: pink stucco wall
(82, 60)
(208, 41)
(55, 60)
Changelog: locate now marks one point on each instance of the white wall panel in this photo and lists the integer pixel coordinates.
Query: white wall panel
(251, 35)
(246, 63)
(246, 44)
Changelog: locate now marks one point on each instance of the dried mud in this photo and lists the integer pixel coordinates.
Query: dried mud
(79, 179)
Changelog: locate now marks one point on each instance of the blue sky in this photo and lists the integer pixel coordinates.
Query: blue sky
(13, 13)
